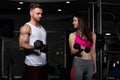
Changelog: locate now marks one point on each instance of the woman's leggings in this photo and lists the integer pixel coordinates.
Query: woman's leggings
(83, 69)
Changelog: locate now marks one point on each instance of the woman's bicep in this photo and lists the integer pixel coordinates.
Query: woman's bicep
(71, 43)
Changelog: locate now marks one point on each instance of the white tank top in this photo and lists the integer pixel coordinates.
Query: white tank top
(36, 34)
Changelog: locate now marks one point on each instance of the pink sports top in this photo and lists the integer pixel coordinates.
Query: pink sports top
(82, 42)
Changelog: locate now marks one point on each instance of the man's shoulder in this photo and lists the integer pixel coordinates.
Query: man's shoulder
(25, 28)
(25, 25)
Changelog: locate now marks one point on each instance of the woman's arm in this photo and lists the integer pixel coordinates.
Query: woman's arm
(93, 52)
(71, 43)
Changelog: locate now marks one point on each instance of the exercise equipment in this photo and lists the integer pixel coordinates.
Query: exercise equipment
(77, 46)
(44, 49)
(95, 76)
(10, 69)
(40, 46)
(100, 41)
(87, 49)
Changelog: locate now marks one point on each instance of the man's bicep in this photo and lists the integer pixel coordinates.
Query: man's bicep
(23, 38)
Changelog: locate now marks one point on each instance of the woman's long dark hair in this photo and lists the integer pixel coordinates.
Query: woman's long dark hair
(83, 26)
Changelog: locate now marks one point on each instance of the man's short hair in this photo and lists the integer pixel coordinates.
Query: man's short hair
(35, 5)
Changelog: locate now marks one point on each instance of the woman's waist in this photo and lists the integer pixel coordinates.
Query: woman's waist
(85, 56)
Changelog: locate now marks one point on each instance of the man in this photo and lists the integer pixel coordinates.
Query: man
(35, 57)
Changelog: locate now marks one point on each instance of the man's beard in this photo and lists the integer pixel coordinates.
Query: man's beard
(37, 20)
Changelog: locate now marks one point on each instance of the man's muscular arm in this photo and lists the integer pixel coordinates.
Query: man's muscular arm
(24, 37)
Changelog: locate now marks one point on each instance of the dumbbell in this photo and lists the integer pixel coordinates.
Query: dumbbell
(95, 76)
(87, 49)
(38, 44)
(77, 46)
(44, 49)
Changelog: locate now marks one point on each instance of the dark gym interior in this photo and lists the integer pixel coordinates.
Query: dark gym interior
(104, 19)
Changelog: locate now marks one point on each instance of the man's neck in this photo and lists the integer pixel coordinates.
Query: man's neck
(34, 23)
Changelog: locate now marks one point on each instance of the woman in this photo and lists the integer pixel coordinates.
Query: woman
(82, 45)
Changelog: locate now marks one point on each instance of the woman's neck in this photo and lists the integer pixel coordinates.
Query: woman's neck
(81, 34)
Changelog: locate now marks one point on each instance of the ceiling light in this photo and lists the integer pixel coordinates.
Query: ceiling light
(107, 34)
(20, 2)
(67, 2)
(59, 10)
(19, 8)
